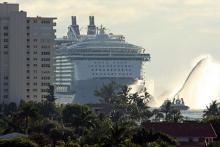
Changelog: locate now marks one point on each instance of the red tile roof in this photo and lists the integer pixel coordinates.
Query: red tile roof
(200, 130)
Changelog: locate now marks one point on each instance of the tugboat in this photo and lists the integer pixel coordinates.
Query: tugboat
(179, 104)
(176, 103)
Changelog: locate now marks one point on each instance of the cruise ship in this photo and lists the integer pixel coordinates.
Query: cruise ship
(84, 62)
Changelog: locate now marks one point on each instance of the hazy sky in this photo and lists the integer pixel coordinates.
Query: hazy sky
(175, 31)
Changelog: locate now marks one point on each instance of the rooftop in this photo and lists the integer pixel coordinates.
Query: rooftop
(200, 130)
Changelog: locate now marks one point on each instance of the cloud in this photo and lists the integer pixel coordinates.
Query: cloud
(175, 13)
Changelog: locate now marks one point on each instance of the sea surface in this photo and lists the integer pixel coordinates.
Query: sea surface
(192, 114)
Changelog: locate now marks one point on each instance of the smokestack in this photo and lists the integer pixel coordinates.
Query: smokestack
(73, 20)
(74, 25)
(91, 27)
(91, 21)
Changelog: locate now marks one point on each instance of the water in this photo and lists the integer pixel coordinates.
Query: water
(201, 62)
(192, 114)
(199, 89)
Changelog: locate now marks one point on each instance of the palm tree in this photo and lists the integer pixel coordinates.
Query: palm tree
(50, 97)
(119, 132)
(79, 117)
(166, 109)
(144, 137)
(107, 93)
(176, 115)
(212, 110)
(26, 112)
(158, 115)
(138, 109)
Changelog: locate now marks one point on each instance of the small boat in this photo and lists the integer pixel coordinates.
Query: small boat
(179, 104)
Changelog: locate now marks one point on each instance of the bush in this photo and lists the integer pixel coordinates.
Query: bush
(17, 142)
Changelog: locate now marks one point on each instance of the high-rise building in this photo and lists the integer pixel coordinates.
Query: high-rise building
(26, 55)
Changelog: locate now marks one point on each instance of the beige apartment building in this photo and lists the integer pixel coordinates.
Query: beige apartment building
(26, 55)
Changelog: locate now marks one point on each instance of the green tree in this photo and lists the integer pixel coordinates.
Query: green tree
(171, 114)
(79, 117)
(158, 115)
(17, 142)
(51, 97)
(138, 109)
(176, 115)
(107, 93)
(125, 106)
(212, 110)
(10, 108)
(145, 138)
(215, 121)
(166, 109)
(49, 110)
(58, 134)
(119, 133)
(100, 132)
(27, 112)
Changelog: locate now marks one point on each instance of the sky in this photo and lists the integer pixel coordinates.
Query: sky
(176, 32)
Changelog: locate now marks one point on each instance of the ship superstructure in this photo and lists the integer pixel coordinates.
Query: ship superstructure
(85, 62)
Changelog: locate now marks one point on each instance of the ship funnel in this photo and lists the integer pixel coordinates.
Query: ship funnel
(74, 26)
(91, 20)
(73, 30)
(91, 26)
(73, 20)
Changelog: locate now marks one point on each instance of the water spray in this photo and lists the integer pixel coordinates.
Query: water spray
(189, 75)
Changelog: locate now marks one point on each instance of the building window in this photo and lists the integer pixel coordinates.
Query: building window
(45, 78)
(45, 59)
(44, 90)
(45, 84)
(5, 28)
(35, 90)
(45, 65)
(45, 53)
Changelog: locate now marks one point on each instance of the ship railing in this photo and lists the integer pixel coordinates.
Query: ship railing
(111, 54)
